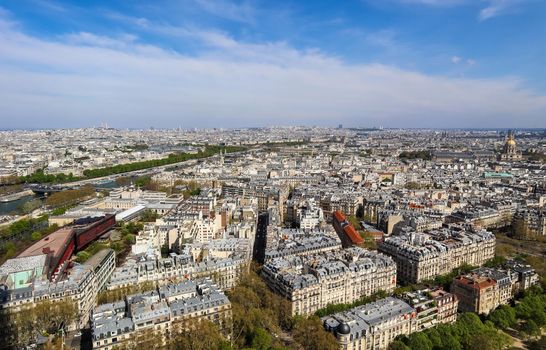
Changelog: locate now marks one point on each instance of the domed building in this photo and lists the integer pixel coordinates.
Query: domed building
(510, 151)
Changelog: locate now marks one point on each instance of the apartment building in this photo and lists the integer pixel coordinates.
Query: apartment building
(423, 256)
(291, 242)
(433, 307)
(165, 312)
(477, 294)
(372, 326)
(313, 281)
(178, 267)
(485, 288)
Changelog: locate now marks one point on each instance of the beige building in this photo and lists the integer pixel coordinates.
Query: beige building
(476, 294)
(423, 256)
(486, 288)
(312, 282)
(372, 326)
(433, 307)
(159, 315)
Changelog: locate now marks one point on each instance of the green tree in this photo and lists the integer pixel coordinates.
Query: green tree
(419, 341)
(398, 345)
(490, 339)
(36, 236)
(310, 334)
(503, 317)
(82, 256)
(450, 343)
(130, 238)
(530, 328)
(148, 215)
(435, 338)
(261, 339)
(204, 336)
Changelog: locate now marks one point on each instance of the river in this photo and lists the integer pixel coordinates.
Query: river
(9, 207)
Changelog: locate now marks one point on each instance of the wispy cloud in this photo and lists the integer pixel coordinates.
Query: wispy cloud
(243, 12)
(497, 7)
(90, 39)
(489, 8)
(460, 60)
(50, 5)
(83, 78)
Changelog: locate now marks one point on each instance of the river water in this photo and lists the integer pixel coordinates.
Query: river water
(9, 207)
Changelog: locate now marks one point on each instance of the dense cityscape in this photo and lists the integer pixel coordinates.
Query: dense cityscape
(273, 238)
(272, 175)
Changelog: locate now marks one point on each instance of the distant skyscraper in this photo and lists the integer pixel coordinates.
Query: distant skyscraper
(340, 126)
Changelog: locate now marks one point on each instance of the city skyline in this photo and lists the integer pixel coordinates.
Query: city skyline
(204, 64)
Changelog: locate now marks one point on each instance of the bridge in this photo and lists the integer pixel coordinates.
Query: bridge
(49, 189)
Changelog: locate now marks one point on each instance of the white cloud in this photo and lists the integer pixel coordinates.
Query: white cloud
(85, 79)
(492, 8)
(497, 7)
(243, 12)
(458, 59)
(90, 39)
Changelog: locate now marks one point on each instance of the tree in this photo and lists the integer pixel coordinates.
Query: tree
(435, 338)
(539, 316)
(148, 215)
(530, 328)
(497, 260)
(503, 318)
(69, 197)
(202, 335)
(310, 334)
(419, 341)
(261, 339)
(468, 324)
(36, 236)
(490, 339)
(447, 333)
(450, 343)
(398, 345)
(82, 256)
(130, 238)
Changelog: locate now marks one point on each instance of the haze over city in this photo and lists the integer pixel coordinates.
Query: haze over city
(204, 63)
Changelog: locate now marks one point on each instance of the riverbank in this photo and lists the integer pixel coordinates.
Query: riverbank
(15, 196)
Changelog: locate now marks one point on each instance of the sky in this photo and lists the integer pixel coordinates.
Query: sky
(221, 63)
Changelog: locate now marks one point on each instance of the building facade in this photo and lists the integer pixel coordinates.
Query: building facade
(423, 256)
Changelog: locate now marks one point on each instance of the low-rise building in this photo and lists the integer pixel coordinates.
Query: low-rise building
(433, 307)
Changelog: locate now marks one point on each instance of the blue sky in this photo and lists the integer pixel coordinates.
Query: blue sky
(205, 63)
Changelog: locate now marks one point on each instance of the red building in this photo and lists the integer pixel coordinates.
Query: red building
(345, 230)
(63, 243)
